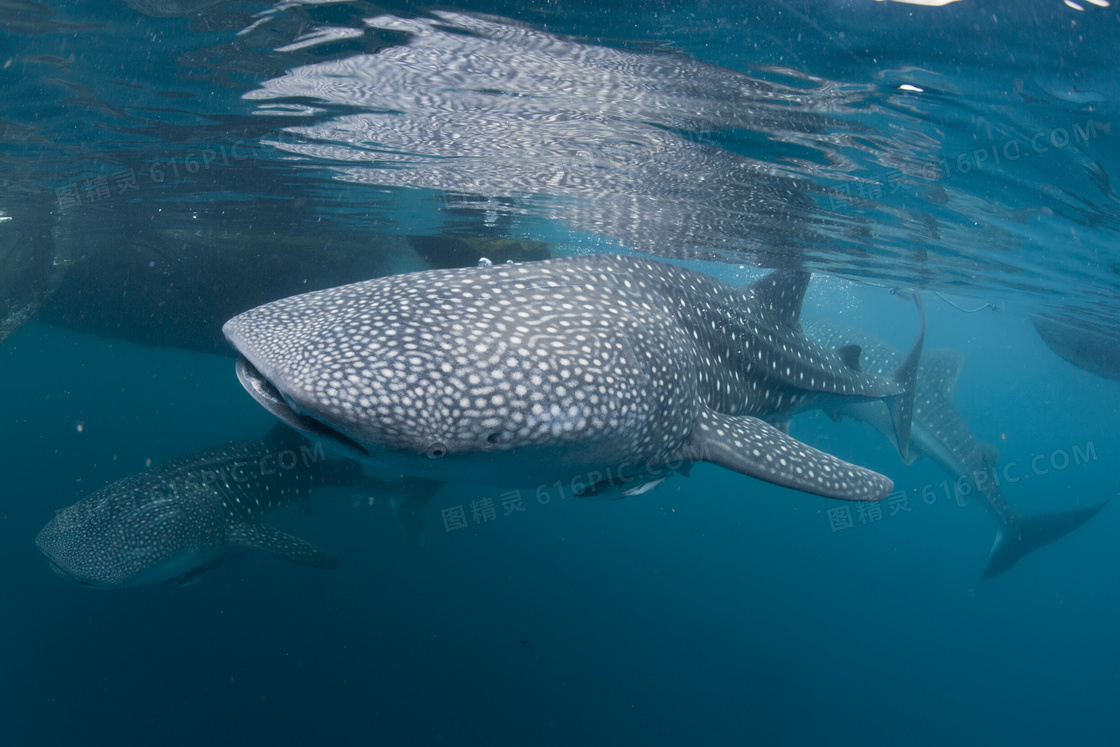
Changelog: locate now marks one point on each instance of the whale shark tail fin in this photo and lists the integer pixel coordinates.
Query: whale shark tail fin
(906, 376)
(1024, 533)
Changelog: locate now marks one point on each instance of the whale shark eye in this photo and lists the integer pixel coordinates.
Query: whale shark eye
(494, 438)
(437, 451)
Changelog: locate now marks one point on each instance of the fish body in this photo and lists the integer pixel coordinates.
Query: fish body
(941, 434)
(553, 370)
(187, 515)
(1090, 346)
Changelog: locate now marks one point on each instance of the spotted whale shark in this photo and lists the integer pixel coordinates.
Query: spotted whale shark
(1090, 346)
(610, 365)
(939, 433)
(175, 522)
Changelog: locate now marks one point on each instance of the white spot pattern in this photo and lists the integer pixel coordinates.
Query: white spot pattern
(597, 358)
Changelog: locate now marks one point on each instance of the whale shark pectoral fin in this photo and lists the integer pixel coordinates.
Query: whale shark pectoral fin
(758, 449)
(263, 538)
(901, 405)
(1024, 533)
(644, 487)
(613, 489)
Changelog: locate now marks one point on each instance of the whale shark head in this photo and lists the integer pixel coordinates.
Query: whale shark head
(433, 370)
(130, 533)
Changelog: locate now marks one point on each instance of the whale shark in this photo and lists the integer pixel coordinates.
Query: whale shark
(1090, 346)
(617, 367)
(179, 520)
(939, 433)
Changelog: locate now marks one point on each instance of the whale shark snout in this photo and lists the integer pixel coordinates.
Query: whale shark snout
(269, 397)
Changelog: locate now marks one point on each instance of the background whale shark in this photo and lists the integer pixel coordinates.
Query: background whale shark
(938, 432)
(175, 522)
(1090, 346)
(587, 365)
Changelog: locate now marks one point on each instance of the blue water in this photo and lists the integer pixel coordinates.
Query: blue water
(714, 610)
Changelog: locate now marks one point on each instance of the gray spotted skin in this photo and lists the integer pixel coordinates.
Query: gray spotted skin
(547, 369)
(190, 513)
(939, 431)
(774, 456)
(941, 434)
(1091, 346)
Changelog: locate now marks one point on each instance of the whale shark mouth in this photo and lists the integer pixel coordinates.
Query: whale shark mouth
(269, 397)
(70, 576)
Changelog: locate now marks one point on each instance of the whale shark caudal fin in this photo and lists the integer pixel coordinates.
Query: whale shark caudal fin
(263, 538)
(758, 449)
(1024, 533)
(901, 406)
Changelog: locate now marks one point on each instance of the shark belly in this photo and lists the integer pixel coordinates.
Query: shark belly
(177, 566)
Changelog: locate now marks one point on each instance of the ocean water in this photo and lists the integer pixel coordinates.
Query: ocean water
(168, 164)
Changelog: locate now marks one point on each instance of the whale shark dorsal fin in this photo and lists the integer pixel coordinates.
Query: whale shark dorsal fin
(263, 538)
(758, 449)
(780, 294)
(942, 368)
(850, 354)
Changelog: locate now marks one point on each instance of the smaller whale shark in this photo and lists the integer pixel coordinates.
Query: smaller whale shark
(588, 365)
(1089, 346)
(179, 520)
(941, 434)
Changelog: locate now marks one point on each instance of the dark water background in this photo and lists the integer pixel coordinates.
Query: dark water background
(714, 610)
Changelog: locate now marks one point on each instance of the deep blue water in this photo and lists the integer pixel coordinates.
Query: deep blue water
(716, 609)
